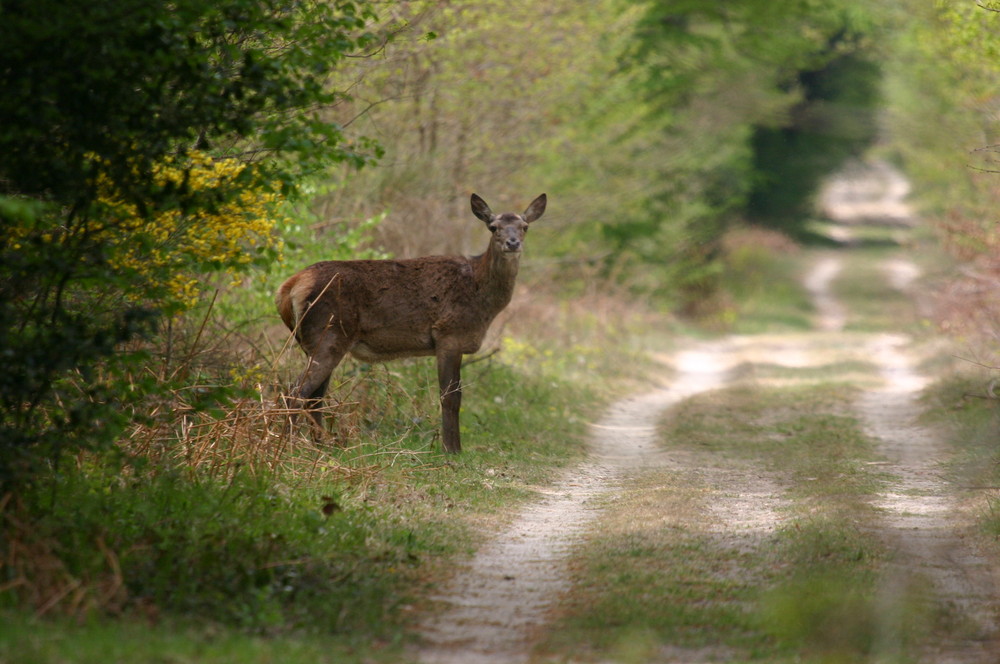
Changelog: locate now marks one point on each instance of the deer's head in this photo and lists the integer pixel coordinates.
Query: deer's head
(508, 229)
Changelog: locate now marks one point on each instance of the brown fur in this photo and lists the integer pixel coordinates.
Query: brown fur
(380, 310)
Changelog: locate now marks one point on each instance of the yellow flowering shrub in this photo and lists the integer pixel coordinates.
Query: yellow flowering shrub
(232, 231)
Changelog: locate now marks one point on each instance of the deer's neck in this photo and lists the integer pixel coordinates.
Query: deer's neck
(495, 273)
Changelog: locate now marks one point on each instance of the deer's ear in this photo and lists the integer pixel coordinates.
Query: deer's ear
(536, 209)
(481, 209)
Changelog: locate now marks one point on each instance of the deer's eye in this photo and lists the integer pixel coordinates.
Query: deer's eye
(493, 228)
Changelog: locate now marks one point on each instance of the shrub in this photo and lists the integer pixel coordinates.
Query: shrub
(129, 171)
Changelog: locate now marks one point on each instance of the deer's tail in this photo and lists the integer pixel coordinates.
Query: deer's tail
(284, 300)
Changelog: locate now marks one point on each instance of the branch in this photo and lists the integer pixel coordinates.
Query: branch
(981, 169)
(976, 363)
(480, 358)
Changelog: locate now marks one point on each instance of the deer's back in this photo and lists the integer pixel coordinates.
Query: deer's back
(385, 308)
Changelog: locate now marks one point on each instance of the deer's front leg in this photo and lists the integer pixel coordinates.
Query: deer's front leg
(449, 364)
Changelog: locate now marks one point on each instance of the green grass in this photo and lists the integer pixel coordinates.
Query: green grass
(656, 582)
(874, 304)
(24, 640)
(228, 537)
(652, 577)
(656, 573)
(764, 292)
(807, 432)
(959, 405)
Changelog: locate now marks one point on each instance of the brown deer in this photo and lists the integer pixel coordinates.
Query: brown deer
(379, 310)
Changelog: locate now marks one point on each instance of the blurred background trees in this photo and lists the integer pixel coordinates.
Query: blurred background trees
(146, 148)
(940, 121)
(653, 126)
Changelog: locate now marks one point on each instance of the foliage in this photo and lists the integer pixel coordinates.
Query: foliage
(469, 97)
(761, 283)
(763, 99)
(55, 329)
(941, 126)
(942, 117)
(242, 76)
(652, 126)
(129, 170)
(834, 121)
(180, 245)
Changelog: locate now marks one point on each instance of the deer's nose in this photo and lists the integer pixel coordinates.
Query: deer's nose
(513, 244)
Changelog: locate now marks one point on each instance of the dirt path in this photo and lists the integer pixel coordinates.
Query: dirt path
(923, 522)
(496, 605)
(499, 600)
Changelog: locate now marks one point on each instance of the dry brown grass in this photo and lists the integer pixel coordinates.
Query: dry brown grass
(243, 436)
(257, 435)
(600, 313)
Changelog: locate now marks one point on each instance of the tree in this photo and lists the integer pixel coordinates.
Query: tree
(139, 145)
(751, 92)
(835, 120)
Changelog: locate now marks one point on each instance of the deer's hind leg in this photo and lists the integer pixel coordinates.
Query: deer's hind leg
(315, 380)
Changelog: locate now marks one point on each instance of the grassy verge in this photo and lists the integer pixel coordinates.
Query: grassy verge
(322, 553)
(760, 278)
(961, 405)
(662, 580)
(219, 535)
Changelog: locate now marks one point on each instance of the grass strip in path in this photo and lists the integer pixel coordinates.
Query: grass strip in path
(751, 543)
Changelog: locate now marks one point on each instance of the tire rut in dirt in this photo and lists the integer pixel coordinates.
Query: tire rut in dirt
(922, 521)
(496, 603)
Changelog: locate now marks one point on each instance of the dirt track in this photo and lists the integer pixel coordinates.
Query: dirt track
(498, 602)
(496, 605)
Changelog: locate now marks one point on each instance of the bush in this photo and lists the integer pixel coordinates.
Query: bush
(247, 551)
(128, 172)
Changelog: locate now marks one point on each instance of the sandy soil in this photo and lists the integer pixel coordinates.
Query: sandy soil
(496, 604)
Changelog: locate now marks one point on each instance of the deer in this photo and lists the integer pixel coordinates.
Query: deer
(381, 310)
